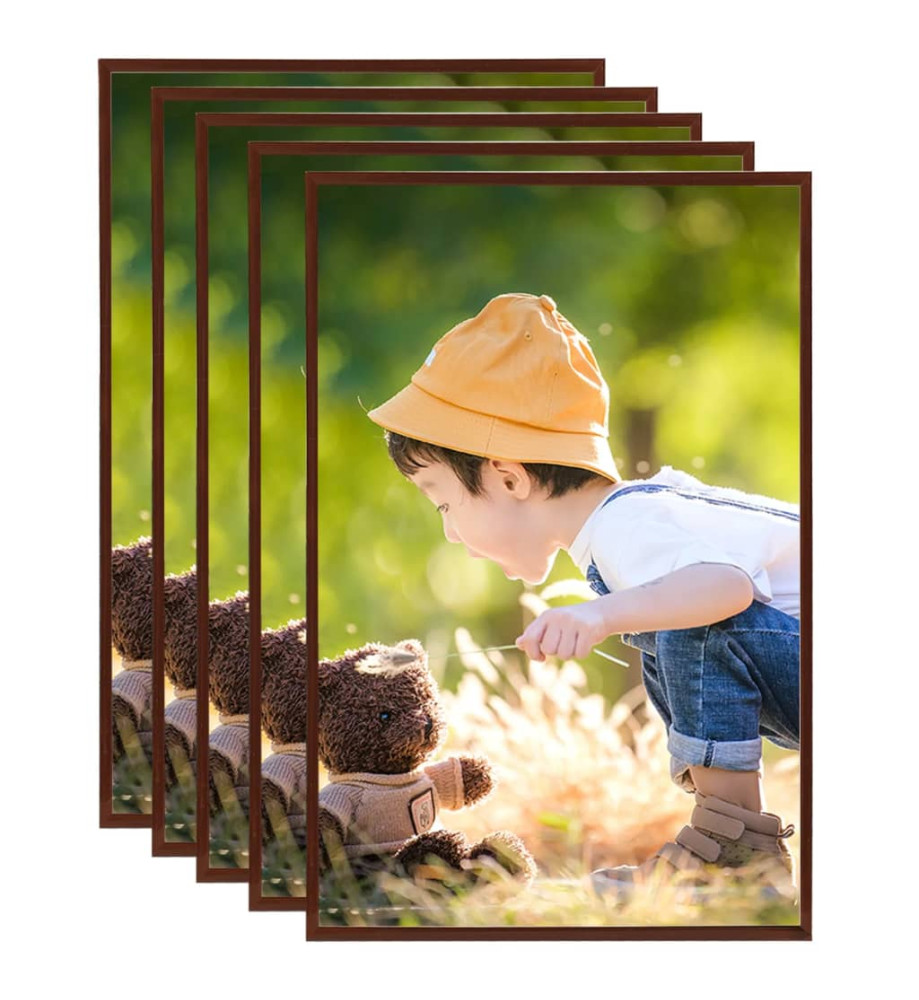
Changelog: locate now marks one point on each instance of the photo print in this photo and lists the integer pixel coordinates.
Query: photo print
(126, 437)
(500, 742)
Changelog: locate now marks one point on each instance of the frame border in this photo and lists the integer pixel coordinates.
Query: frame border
(802, 180)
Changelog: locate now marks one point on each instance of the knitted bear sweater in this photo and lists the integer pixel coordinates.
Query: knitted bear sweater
(380, 812)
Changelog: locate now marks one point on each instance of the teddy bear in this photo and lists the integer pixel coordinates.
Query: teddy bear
(380, 723)
(228, 743)
(132, 639)
(227, 758)
(132, 687)
(283, 719)
(180, 664)
(283, 771)
(228, 690)
(228, 660)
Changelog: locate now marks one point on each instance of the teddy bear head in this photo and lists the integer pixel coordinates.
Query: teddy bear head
(228, 654)
(379, 709)
(180, 640)
(132, 599)
(284, 682)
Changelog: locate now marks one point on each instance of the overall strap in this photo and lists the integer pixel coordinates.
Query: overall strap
(705, 497)
(594, 579)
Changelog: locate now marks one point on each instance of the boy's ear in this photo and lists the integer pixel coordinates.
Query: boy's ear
(513, 477)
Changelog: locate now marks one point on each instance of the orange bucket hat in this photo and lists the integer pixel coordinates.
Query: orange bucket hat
(516, 382)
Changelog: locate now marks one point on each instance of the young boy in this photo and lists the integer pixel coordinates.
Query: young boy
(504, 429)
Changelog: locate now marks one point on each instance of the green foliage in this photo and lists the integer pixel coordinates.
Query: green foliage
(391, 900)
(131, 278)
(181, 798)
(688, 295)
(228, 825)
(132, 781)
(283, 855)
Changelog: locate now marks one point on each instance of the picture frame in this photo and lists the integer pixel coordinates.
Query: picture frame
(795, 184)
(181, 822)
(131, 804)
(647, 154)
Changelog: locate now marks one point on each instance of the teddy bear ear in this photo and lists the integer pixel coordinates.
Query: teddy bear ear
(329, 674)
(132, 564)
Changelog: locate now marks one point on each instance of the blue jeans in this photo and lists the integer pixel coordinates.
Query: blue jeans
(720, 688)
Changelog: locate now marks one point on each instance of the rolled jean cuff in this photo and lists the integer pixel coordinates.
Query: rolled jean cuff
(690, 751)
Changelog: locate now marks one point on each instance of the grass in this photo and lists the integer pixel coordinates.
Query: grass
(585, 784)
(132, 775)
(398, 902)
(228, 825)
(181, 797)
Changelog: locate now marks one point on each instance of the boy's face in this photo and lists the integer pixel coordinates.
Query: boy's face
(506, 523)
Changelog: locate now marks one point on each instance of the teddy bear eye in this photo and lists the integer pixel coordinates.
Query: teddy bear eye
(384, 716)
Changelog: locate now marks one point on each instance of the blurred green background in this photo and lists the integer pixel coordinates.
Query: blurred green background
(131, 319)
(689, 296)
(283, 333)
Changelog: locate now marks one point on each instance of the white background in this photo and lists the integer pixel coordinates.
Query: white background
(818, 87)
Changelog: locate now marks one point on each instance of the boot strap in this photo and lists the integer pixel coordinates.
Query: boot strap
(696, 841)
(766, 823)
(713, 822)
(760, 842)
(735, 829)
(681, 858)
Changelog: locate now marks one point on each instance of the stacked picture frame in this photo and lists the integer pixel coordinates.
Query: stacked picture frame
(282, 244)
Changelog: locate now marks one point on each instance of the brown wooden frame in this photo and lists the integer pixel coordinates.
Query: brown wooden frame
(314, 182)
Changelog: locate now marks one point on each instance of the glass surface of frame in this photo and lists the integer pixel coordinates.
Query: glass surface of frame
(694, 293)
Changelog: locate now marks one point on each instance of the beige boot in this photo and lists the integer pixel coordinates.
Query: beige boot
(720, 836)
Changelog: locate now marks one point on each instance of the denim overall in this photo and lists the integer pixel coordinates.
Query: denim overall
(719, 688)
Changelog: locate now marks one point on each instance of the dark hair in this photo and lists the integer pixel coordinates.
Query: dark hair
(411, 456)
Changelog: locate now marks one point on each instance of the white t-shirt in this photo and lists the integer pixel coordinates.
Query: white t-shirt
(645, 534)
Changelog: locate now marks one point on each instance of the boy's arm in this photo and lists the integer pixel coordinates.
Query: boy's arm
(693, 595)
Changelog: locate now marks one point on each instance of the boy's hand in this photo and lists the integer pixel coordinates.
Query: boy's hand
(568, 633)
